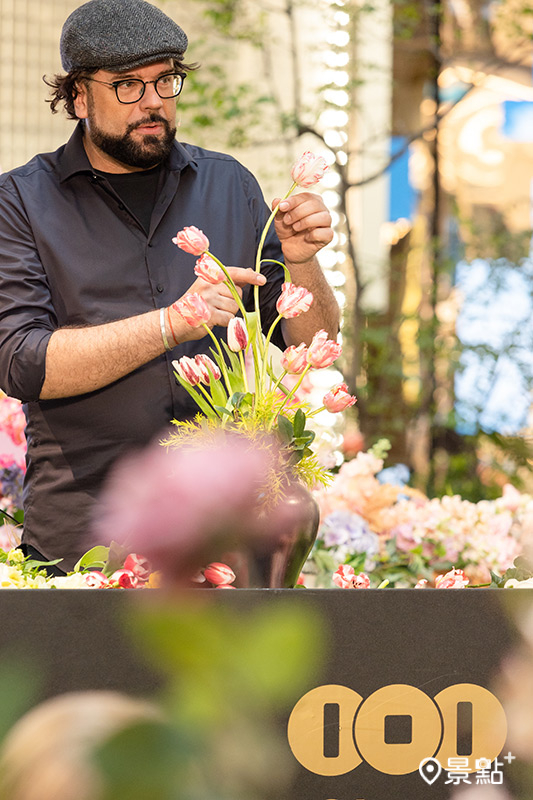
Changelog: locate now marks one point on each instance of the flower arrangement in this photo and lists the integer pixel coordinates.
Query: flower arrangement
(374, 525)
(12, 459)
(263, 402)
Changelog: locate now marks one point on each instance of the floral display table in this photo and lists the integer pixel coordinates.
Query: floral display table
(405, 676)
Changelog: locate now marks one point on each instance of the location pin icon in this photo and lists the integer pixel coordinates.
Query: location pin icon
(430, 769)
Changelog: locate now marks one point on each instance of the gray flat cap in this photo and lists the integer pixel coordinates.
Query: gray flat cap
(119, 34)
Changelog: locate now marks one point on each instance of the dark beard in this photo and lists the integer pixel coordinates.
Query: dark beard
(145, 154)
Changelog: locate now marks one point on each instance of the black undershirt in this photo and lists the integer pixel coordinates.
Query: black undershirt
(137, 190)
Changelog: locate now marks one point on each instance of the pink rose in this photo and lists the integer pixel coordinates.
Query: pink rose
(293, 300)
(208, 269)
(188, 370)
(139, 565)
(124, 578)
(294, 359)
(308, 170)
(206, 367)
(454, 579)
(193, 308)
(192, 240)
(237, 335)
(219, 574)
(338, 398)
(96, 580)
(322, 352)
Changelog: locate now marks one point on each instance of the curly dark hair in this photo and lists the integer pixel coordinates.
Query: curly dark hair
(64, 86)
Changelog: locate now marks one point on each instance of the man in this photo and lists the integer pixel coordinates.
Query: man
(87, 264)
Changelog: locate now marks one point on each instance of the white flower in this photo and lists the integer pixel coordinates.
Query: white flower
(512, 583)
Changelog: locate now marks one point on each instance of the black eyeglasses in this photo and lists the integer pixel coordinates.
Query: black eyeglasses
(130, 90)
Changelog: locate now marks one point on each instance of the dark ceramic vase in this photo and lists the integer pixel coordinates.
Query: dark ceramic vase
(276, 562)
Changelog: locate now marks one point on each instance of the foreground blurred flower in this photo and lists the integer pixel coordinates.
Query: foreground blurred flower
(308, 170)
(192, 240)
(219, 574)
(293, 301)
(338, 399)
(193, 308)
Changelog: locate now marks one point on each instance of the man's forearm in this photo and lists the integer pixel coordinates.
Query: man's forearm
(324, 312)
(81, 360)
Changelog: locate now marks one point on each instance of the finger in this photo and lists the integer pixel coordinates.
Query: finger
(226, 304)
(320, 219)
(244, 276)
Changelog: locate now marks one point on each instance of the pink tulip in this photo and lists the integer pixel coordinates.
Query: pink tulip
(206, 367)
(208, 269)
(219, 574)
(322, 351)
(237, 335)
(139, 565)
(361, 581)
(124, 578)
(293, 300)
(294, 359)
(192, 240)
(193, 308)
(454, 579)
(188, 370)
(345, 578)
(338, 399)
(308, 170)
(96, 580)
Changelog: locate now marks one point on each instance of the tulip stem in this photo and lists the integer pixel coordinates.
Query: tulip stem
(243, 368)
(222, 359)
(258, 263)
(292, 392)
(267, 342)
(230, 283)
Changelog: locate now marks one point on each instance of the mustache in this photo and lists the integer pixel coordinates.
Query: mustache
(147, 121)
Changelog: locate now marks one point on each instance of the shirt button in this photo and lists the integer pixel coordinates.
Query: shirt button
(160, 288)
(121, 206)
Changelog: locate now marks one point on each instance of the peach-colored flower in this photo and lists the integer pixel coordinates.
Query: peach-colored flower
(454, 579)
(139, 565)
(192, 240)
(294, 359)
(293, 300)
(237, 335)
(308, 170)
(208, 269)
(219, 574)
(188, 370)
(206, 367)
(338, 398)
(193, 308)
(322, 352)
(124, 578)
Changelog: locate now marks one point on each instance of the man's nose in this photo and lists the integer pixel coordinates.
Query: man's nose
(150, 98)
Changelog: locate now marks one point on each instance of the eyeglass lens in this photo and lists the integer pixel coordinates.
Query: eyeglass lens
(129, 91)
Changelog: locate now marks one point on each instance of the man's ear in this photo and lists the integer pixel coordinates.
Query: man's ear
(80, 101)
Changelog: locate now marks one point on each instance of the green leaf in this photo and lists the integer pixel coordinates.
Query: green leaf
(299, 423)
(95, 557)
(285, 429)
(202, 404)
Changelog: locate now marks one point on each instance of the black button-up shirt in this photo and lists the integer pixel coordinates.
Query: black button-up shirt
(71, 254)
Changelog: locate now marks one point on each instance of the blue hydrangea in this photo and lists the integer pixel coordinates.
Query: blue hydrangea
(348, 531)
(396, 476)
(11, 479)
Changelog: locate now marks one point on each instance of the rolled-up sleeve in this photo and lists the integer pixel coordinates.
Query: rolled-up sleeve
(27, 317)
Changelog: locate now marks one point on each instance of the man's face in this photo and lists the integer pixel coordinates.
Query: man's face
(127, 137)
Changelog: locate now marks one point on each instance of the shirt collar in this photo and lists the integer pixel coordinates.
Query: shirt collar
(73, 160)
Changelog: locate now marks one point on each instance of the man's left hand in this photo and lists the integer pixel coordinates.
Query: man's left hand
(303, 225)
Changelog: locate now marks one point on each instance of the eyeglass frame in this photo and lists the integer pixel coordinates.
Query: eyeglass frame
(116, 84)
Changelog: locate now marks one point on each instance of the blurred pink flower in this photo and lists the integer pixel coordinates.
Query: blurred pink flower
(293, 300)
(192, 240)
(219, 574)
(294, 359)
(338, 398)
(322, 352)
(454, 579)
(421, 584)
(346, 578)
(12, 420)
(208, 269)
(193, 308)
(206, 367)
(96, 580)
(237, 335)
(308, 170)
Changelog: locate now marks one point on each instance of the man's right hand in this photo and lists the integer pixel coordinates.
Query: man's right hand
(218, 297)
